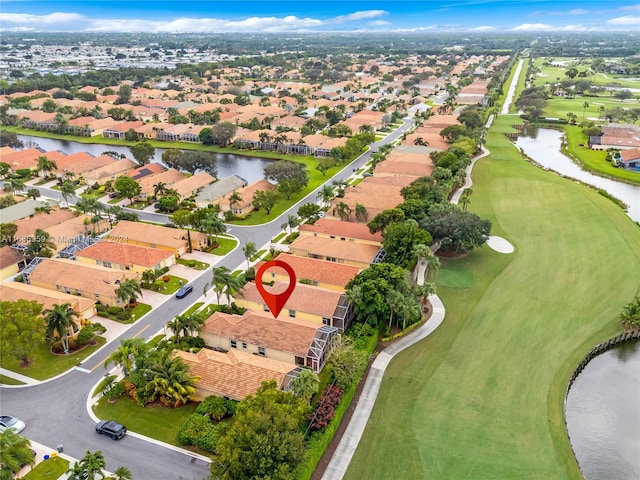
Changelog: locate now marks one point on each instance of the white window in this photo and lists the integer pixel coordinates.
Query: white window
(261, 351)
(292, 313)
(233, 344)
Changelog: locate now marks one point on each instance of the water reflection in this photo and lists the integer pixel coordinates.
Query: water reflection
(249, 168)
(543, 146)
(603, 415)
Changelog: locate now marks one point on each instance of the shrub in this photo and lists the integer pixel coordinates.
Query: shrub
(326, 407)
(131, 390)
(113, 310)
(166, 278)
(194, 427)
(23, 172)
(213, 407)
(86, 335)
(231, 407)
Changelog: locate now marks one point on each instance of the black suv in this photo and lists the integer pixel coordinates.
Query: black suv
(111, 428)
(184, 291)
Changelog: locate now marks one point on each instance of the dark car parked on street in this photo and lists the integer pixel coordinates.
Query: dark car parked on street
(184, 291)
(111, 428)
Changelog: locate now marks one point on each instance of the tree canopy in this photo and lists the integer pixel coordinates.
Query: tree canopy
(22, 328)
(265, 441)
(456, 230)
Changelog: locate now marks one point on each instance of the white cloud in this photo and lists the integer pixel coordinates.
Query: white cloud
(631, 8)
(361, 15)
(52, 18)
(483, 28)
(532, 27)
(71, 21)
(626, 20)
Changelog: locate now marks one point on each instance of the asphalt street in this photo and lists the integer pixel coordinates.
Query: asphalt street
(55, 411)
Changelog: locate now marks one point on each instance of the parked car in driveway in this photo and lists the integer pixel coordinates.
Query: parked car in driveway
(111, 428)
(7, 422)
(184, 291)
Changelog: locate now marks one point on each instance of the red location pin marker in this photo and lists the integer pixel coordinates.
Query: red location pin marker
(275, 302)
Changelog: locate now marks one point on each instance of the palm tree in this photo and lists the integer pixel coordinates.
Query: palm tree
(41, 244)
(249, 250)
(465, 199)
(343, 211)
(14, 185)
(159, 189)
(234, 199)
(212, 225)
(122, 473)
(170, 380)
(224, 282)
(326, 194)
(33, 193)
(93, 464)
(59, 320)
(188, 324)
(630, 315)
(361, 213)
(126, 355)
(45, 166)
(305, 384)
(88, 204)
(291, 223)
(67, 189)
(15, 451)
(585, 105)
(128, 291)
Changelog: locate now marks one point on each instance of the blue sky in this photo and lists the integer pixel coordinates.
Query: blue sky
(300, 16)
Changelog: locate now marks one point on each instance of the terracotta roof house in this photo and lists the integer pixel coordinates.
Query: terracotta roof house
(234, 374)
(89, 126)
(22, 158)
(189, 186)
(145, 171)
(124, 256)
(375, 194)
(312, 271)
(156, 236)
(119, 130)
(68, 160)
(407, 169)
(318, 305)
(212, 193)
(11, 291)
(168, 177)
(110, 171)
(630, 159)
(11, 262)
(89, 281)
(295, 342)
(28, 226)
(345, 231)
(73, 229)
(334, 250)
(245, 206)
(93, 163)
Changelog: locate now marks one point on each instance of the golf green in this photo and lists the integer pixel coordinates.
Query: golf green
(482, 397)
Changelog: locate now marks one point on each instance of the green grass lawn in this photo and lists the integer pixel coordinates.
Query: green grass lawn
(45, 364)
(9, 381)
(156, 422)
(134, 314)
(170, 287)
(558, 107)
(552, 74)
(225, 245)
(193, 308)
(50, 469)
(195, 264)
(483, 396)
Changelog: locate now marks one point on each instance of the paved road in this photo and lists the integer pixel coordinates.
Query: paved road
(55, 411)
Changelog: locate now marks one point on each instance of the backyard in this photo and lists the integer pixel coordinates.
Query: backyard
(483, 396)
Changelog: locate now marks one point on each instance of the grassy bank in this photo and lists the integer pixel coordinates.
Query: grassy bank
(483, 396)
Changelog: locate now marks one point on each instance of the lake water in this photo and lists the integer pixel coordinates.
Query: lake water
(543, 146)
(249, 168)
(603, 415)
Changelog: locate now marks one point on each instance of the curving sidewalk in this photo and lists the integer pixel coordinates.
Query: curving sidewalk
(351, 437)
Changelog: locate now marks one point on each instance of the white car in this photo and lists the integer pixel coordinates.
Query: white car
(7, 422)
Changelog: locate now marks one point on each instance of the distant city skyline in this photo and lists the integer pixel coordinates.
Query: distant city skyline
(201, 16)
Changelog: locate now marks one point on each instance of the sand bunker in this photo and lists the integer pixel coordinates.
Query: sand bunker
(499, 244)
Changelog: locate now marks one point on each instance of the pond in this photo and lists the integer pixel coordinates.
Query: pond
(249, 168)
(543, 146)
(603, 415)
